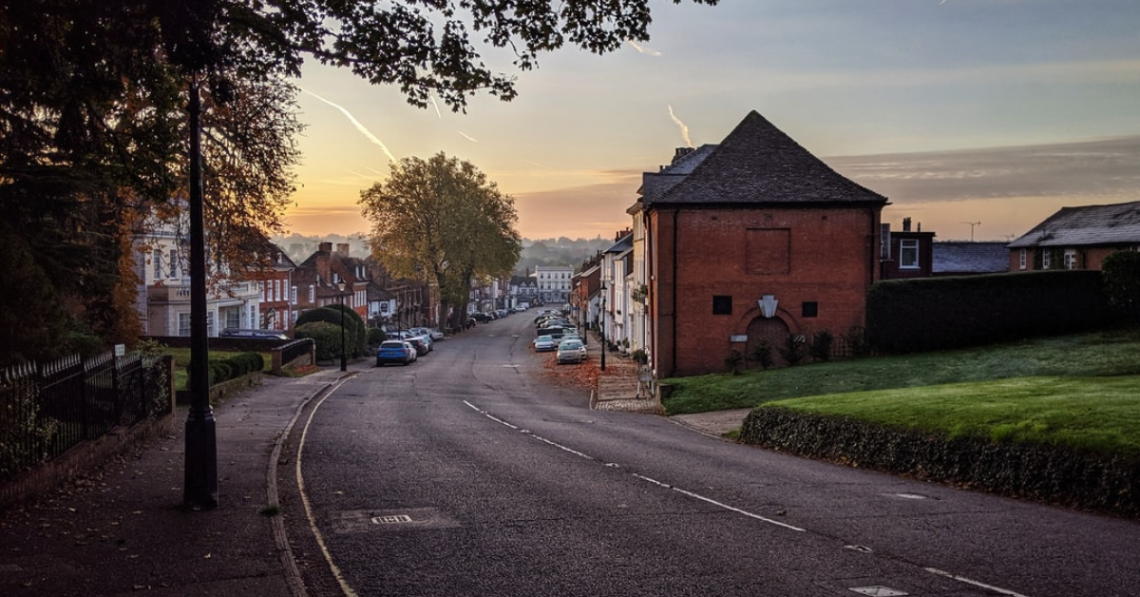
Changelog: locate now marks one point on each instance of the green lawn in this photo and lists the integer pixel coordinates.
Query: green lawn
(1100, 414)
(1086, 355)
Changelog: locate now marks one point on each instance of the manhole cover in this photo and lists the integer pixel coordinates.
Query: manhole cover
(878, 591)
(404, 519)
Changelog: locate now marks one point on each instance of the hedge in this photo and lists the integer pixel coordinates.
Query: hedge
(326, 335)
(938, 313)
(356, 334)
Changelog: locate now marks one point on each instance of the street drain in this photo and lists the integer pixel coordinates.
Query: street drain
(395, 519)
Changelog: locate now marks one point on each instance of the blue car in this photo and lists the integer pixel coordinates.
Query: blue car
(395, 351)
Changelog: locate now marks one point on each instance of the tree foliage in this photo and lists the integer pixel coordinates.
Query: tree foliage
(443, 222)
(1121, 272)
(93, 128)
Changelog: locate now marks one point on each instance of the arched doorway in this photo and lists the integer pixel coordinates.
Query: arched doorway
(771, 330)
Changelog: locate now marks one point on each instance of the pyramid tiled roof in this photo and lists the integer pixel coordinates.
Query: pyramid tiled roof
(758, 163)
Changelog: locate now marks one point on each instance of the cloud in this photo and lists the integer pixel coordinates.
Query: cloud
(360, 127)
(684, 129)
(1104, 168)
(642, 49)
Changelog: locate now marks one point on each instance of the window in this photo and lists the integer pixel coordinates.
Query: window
(1021, 259)
(908, 254)
(183, 324)
(810, 309)
(722, 305)
(233, 318)
(157, 265)
(1071, 259)
(174, 263)
(293, 296)
(1045, 259)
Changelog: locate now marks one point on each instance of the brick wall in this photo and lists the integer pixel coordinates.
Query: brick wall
(825, 256)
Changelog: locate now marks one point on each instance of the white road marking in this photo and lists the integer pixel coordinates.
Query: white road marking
(969, 581)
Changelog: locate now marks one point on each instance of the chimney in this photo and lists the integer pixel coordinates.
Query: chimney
(681, 152)
(325, 246)
(906, 225)
(342, 249)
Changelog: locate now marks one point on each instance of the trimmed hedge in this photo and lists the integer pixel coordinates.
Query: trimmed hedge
(232, 367)
(1043, 473)
(326, 335)
(355, 331)
(939, 313)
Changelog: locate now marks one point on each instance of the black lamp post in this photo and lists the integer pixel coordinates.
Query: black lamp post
(343, 358)
(603, 289)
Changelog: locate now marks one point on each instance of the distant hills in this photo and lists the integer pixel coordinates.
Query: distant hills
(547, 251)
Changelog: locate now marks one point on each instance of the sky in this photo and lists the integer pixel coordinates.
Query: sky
(977, 119)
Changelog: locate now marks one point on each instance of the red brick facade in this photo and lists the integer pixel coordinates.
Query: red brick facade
(817, 261)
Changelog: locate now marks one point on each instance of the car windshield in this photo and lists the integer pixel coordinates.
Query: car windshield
(392, 344)
(571, 344)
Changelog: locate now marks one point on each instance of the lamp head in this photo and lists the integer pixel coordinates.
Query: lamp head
(340, 285)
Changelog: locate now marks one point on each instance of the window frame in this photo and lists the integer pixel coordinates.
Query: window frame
(905, 245)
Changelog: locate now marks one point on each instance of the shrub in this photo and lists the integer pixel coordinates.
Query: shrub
(733, 361)
(820, 348)
(793, 350)
(356, 336)
(762, 354)
(640, 356)
(376, 336)
(326, 335)
(856, 340)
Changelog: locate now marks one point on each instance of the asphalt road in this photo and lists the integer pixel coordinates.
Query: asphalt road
(467, 473)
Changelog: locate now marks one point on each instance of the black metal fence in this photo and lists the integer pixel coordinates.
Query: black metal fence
(47, 409)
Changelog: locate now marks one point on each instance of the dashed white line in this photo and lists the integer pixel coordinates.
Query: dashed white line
(963, 579)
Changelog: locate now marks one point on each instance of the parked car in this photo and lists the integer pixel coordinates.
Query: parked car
(566, 335)
(481, 317)
(544, 344)
(571, 351)
(395, 351)
(261, 334)
(422, 347)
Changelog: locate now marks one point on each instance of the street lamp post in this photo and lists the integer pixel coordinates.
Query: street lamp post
(603, 289)
(343, 357)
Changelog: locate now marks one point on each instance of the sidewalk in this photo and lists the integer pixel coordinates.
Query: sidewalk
(123, 531)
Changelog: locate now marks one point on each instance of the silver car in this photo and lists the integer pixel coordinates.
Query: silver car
(571, 350)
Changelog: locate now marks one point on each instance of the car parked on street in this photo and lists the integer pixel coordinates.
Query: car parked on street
(421, 345)
(395, 351)
(571, 351)
(544, 344)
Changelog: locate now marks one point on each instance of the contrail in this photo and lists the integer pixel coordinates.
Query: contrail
(468, 137)
(642, 49)
(432, 96)
(356, 123)
(684, 129)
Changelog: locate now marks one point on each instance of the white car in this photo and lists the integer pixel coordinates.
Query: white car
(545, 344)
(571, 350)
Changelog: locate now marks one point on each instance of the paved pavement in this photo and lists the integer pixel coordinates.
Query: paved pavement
(122, 530)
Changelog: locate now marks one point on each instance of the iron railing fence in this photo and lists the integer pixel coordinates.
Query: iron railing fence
(46, 409)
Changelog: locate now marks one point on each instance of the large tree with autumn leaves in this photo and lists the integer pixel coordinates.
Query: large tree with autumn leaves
(443, 222)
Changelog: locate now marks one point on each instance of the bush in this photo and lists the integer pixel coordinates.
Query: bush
(326, 335)
(820, 348)
(640, 356)
(733, 361)
(793, 350)
(762, 354)
(355, 333)
(376, 336)
(856, 340)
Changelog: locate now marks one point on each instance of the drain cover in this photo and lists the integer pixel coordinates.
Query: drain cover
(878, 591)
(391, 519)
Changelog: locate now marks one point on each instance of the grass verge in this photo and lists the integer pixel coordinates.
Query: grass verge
(1101, 354)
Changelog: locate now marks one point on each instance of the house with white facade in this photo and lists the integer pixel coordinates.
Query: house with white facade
(162, 259)
(553, 283)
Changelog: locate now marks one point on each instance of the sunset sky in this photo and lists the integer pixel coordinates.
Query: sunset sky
(959, 111)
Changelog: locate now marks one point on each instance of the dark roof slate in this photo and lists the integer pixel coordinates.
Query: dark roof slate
(758, 163)
(1114, 224)
(623, 244)
(967, 257)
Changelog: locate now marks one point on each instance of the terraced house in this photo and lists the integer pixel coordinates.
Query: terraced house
(751, 241)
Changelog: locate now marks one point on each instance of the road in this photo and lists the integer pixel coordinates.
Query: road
(468, 473)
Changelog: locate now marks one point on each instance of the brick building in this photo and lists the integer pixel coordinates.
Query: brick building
(760, 240)
(1078, 238)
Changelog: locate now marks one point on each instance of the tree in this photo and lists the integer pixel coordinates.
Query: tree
(441, 221)
(1121, 272)
(93, 96)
